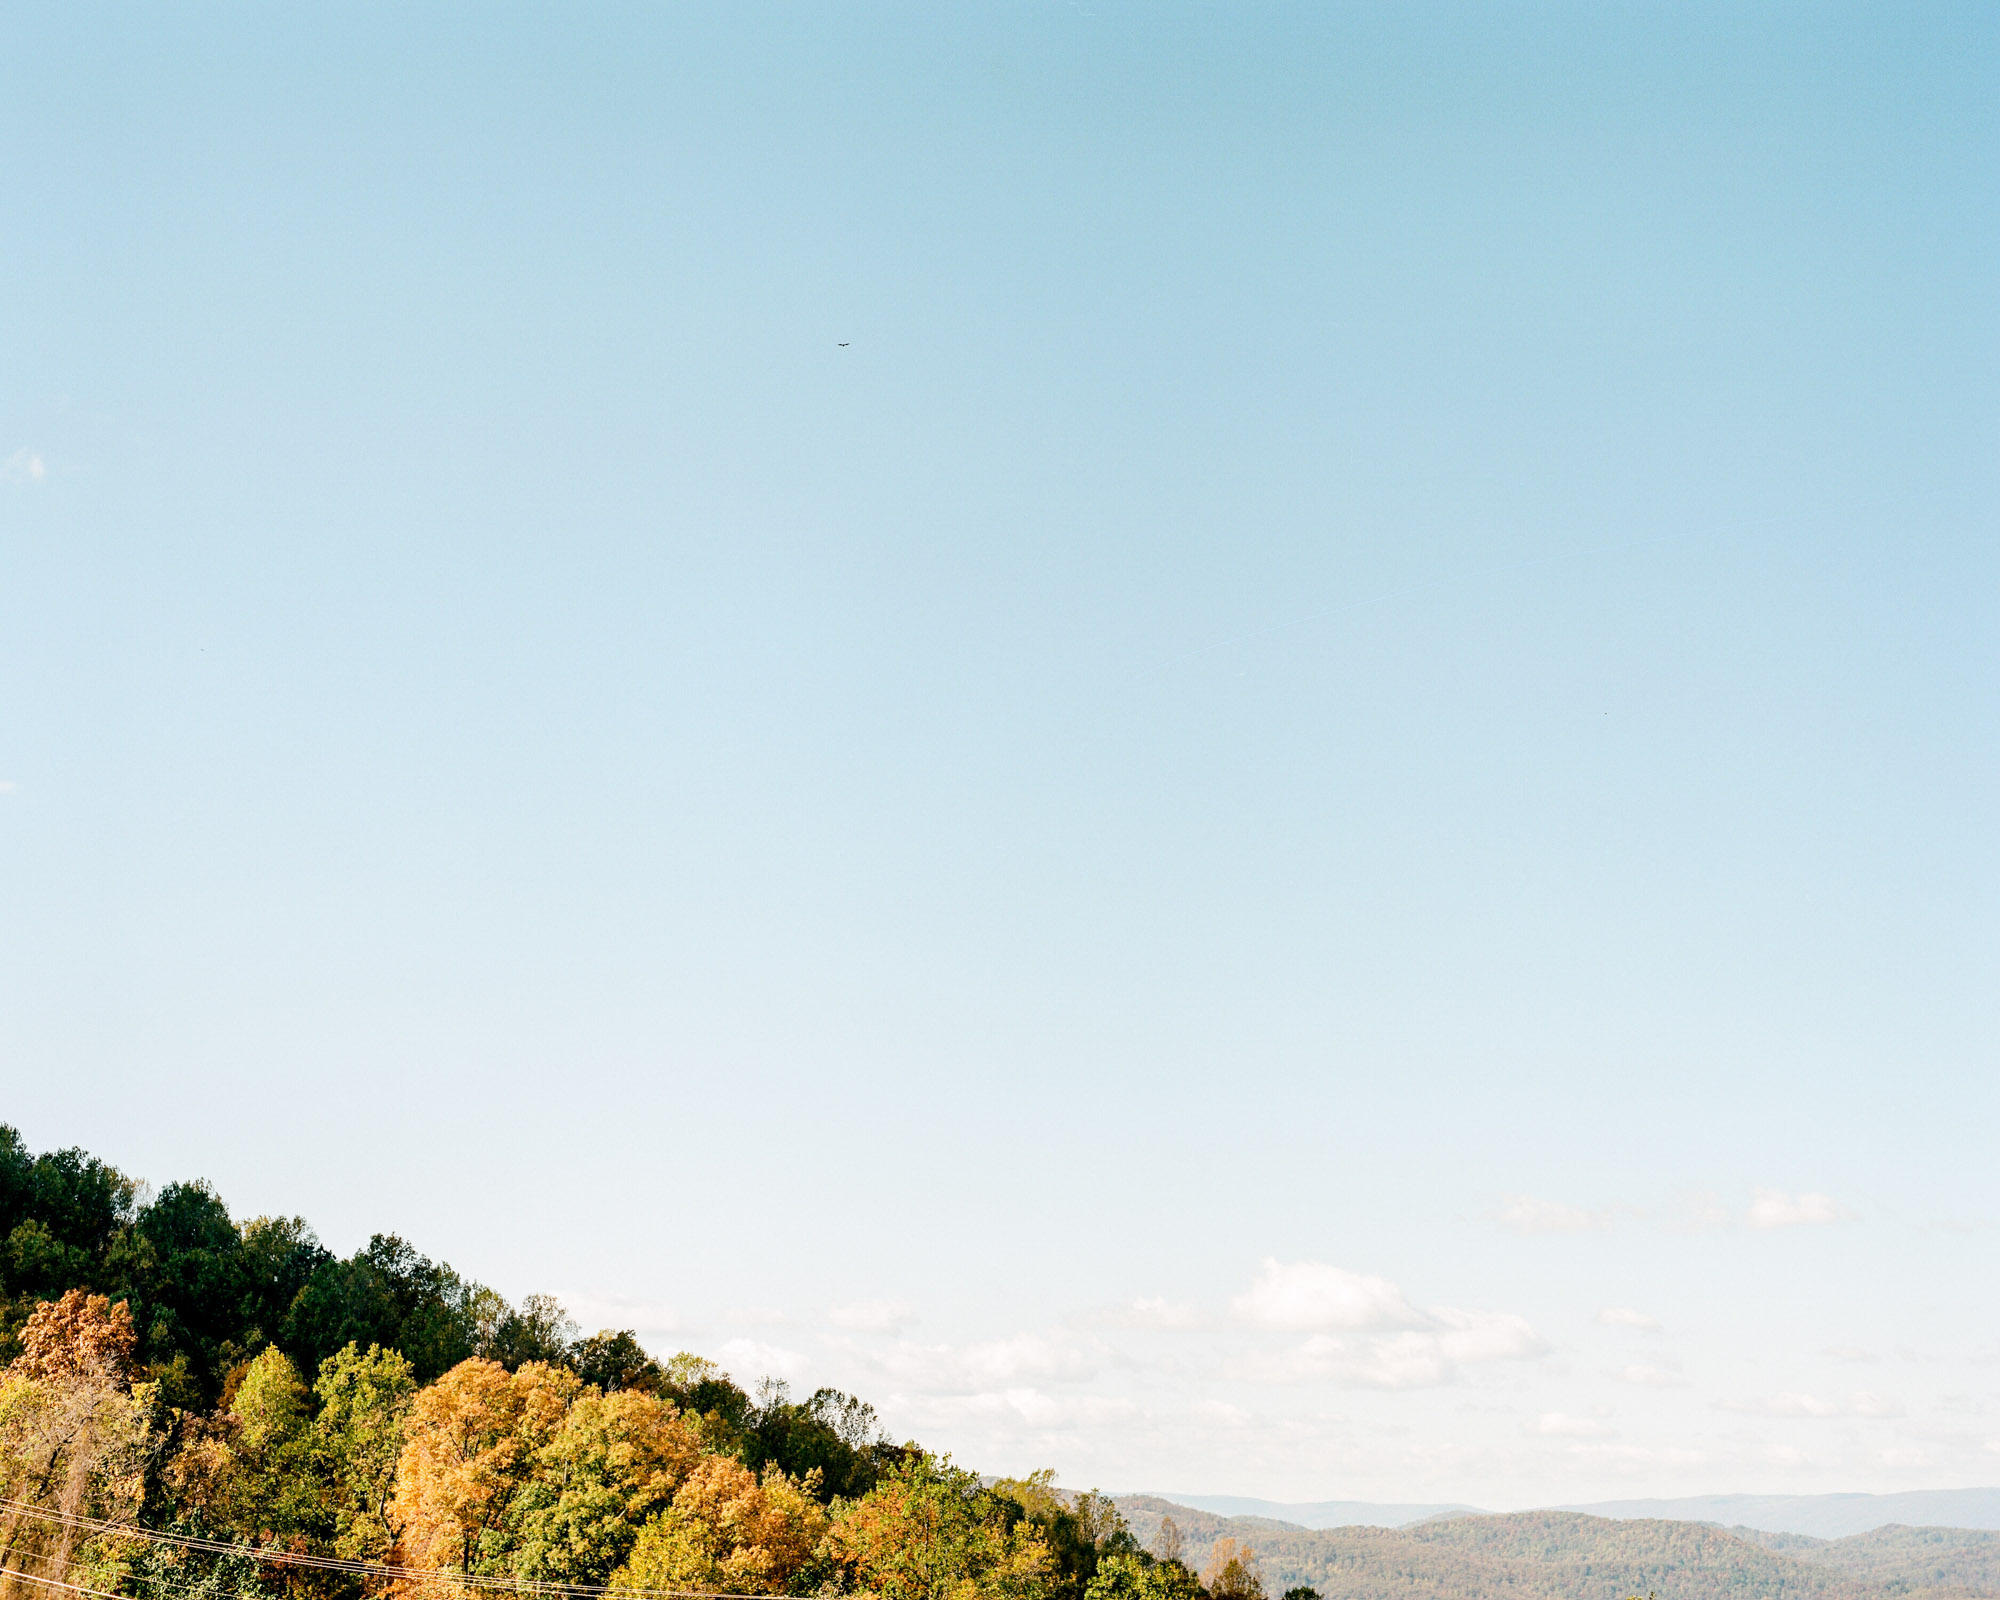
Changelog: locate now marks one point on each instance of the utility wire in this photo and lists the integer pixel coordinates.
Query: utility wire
(364, 1569)
(157, 1585)
(57, 1583)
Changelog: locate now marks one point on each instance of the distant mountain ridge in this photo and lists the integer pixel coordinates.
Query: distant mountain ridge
(1824, 1516)
(1569, 1555)
(1968, 1557)
(1315, 1513)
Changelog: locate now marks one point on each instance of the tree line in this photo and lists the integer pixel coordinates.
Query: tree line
(193, 1408)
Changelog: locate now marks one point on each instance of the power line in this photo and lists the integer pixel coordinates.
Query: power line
(363, 1569)
(156, 1584)
(57, 1583)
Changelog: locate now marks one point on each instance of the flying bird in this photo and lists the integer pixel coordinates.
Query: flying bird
(844, 344)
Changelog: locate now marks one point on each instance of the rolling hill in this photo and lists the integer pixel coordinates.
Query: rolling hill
(1906, 1560)
(1825, 1516)
(1317, 1513)
(1568, 1555)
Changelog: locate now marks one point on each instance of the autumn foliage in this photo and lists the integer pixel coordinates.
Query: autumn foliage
(80, 1336)
(245, 1392)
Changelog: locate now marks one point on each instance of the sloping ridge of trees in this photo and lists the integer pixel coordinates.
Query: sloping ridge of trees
(193, 1408)
(1907, 1560)
(1540, 1555)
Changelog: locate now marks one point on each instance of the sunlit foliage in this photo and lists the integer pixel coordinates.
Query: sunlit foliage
(240, 1387)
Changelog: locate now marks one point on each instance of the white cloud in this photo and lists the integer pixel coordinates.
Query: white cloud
(1792, 1403)
(1311, 1297)
(1651, 1374)
(750, 1359)
(1561, 1425)
(23, 466)
(1410, 1348)
(1848, 1352)
(1874, 1405)
(1406, 1361)
(1629, 1459)
(9, 786)
(756, 1316)
(1024, 1406)
(1774, 1208)
(994, 1365)
(1703, 1210)
(1485, 1335)
(594, 1311)
(1523, 1213)
(873, 1316)
(1626, 1317)
(1067, 1411)
(1155, 1311)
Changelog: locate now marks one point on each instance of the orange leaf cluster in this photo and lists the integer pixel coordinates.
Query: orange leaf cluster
(81, 1335)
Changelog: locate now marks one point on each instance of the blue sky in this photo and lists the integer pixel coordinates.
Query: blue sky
(1171, 734)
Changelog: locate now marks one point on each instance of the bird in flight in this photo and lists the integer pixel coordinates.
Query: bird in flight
(844, 343)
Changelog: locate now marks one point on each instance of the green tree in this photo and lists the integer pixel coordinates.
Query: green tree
(1076, 1527)
(539, 1330)
(614, 1361)
(709, 1399)
(152, 1568)
(831, 1434)
(17, 1173)
(189, 1280)
(389, 1295)
(276, 1490)
(280, 1256)
(364, 1401)
(1133, 1574)
(928, 1531)
(63, 1219)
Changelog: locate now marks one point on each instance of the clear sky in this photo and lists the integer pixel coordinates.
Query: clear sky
(1247, 748)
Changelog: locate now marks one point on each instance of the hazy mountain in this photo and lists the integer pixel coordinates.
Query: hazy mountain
(1826, 1516)
(1314, 1513)
(1567, 1555)
(1965, 1558)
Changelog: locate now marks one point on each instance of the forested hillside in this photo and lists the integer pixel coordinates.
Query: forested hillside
(206, 1294)
(197, 1408)
(1566, 1555)
(193, 1408)
(1908, 1560)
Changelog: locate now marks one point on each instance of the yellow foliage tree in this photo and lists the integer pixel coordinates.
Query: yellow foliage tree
(615, 1460)
(728, 1530)
(928, 1531)
(532, 1474)
(1231, 1573)
(73, 1434)
(470, 1441)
